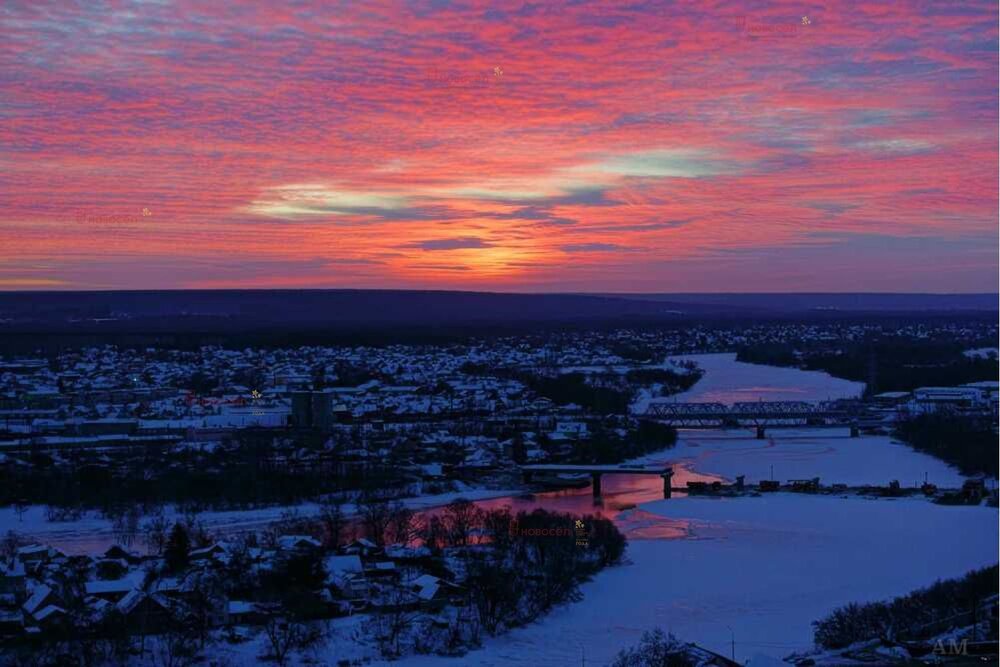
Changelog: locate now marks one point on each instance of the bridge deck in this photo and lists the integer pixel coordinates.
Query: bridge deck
(603, 469)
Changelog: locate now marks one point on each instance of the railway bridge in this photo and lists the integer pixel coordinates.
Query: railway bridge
(757, 414)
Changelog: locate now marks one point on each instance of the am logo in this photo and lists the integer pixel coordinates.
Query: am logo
(953, 647)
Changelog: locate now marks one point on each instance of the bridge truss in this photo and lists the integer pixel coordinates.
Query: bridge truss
(753, 413)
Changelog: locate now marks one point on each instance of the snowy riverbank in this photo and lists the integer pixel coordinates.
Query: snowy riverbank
(93, 533)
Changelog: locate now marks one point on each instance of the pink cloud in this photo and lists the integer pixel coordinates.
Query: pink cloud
(683, 150)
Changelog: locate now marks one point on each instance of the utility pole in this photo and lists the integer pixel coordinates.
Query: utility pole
(732, 636)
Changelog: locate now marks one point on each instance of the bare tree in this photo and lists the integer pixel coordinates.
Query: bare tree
(655, 648)
(404, 526)
(174, 647)
(126, 525)
(495, 592)
(54, 513)
(434, 533)
(155, 531)
(376, 516)
(206, 597)
(461, 517)
(200, 535)
(499, 525)
(20, 507)
(465, 630)
(285, 635)
(390, 625)
(334, 521)
(239, 573)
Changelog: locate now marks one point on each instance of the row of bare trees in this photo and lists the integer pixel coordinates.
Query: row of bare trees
(512, 567)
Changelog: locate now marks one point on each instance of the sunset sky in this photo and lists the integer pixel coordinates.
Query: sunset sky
(619, 146)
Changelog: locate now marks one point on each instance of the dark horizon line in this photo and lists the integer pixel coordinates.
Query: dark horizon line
(471, 291)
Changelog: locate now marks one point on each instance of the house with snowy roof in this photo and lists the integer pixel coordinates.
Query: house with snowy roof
(403, 553)
(212, 551)
(573, 430)
(42, 596)
(142, 612)
(113, 590)
(933, 399)
(116, 552)
(362, 546)
(37, 553)
(347, 575)
(13, 580)
(434, 592)
(298, 543)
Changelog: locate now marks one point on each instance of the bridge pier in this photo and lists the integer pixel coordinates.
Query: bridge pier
(855, 431)
(667, 476)
(760, 433)
(528, 472)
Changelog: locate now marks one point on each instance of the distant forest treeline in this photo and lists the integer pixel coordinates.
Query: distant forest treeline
(600, 398)
(968, 444)
(252, 472)
(913, 616)
(30, 326)
(891, 364)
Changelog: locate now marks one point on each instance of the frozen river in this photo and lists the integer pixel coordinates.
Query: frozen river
(729, 381)
(754, 571)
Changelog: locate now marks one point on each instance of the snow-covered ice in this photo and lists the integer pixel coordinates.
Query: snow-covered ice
(806, 453)
(765, 567)
(728, 381)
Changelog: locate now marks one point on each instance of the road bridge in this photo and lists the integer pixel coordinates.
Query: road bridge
(595, 471)
(756, 414)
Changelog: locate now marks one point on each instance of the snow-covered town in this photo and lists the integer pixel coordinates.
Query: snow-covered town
(307, 503)
(106, 396)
